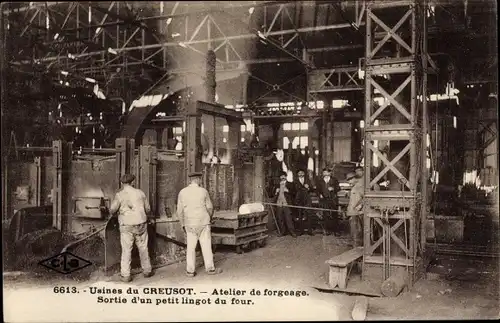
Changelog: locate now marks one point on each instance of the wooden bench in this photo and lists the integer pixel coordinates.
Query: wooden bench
(339, 264)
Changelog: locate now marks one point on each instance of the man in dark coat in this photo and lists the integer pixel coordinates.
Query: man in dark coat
(303, 187)
(327, 188)
(284, 197)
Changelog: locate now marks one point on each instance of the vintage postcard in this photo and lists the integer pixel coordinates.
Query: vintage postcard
(222, 161)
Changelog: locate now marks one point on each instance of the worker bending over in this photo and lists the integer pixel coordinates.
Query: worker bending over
(132, 206)
(195, 210)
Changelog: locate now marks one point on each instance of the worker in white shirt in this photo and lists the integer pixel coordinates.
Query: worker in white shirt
(132, 206)
(195, 210)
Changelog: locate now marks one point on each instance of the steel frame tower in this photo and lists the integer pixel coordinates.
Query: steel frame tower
(395, 218)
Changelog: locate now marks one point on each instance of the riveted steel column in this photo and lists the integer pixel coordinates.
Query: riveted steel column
(62, 154)
(124, 157)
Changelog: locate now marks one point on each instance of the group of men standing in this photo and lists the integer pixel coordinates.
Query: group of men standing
(295, 213)
(299, 218)
(194, 210)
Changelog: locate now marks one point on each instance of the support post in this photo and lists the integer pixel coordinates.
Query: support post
(192, 138)
(124, 157)
(323, 140)
(146, 174)
(159, 138)
(258, 182)
(329, 139)
(5, 161)
(62, 153)
(234, 139)
(39, 176)
(425, 207)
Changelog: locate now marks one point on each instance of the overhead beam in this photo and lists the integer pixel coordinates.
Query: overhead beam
(221, 9)
(36, 5)
(333, 48)
(203, 41)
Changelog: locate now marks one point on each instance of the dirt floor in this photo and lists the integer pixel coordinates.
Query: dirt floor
(449, 292)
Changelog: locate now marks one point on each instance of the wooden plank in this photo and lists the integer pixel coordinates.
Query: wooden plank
(398, 261)
(360, 308)
(346, 258)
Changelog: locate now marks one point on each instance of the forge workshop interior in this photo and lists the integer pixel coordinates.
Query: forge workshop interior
(350, 146)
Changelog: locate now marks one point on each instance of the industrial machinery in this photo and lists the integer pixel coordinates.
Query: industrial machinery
(243, 231)
(77, 182)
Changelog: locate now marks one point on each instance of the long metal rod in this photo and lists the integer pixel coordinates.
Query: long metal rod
(203, 41)
(334, 48)
(302, 207)
(425, 119)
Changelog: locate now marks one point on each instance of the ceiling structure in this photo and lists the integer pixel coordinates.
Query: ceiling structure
(287, 51)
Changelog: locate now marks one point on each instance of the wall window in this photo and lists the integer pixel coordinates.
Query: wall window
(338, 104)
(297, 142)
(319, 105)
(296, 126)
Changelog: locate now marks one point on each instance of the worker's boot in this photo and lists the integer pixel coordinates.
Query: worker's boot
(126, 279)
(214, 271)
(149, 274)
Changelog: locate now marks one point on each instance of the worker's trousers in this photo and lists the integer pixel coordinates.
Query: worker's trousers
(330, 218)
(138, 234)
(285, 220)
(204, 236)
(356, 226)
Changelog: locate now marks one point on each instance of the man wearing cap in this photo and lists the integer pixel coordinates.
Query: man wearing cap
(327, 189)
(195, 210)
(303, 187)
(132, 206)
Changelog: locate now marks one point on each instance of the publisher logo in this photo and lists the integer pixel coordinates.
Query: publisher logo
(65, 263)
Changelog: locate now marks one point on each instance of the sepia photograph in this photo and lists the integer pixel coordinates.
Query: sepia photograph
(213, 161)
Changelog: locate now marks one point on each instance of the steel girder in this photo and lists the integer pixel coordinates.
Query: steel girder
(334, 80)
(114, 42)
(405, 203)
